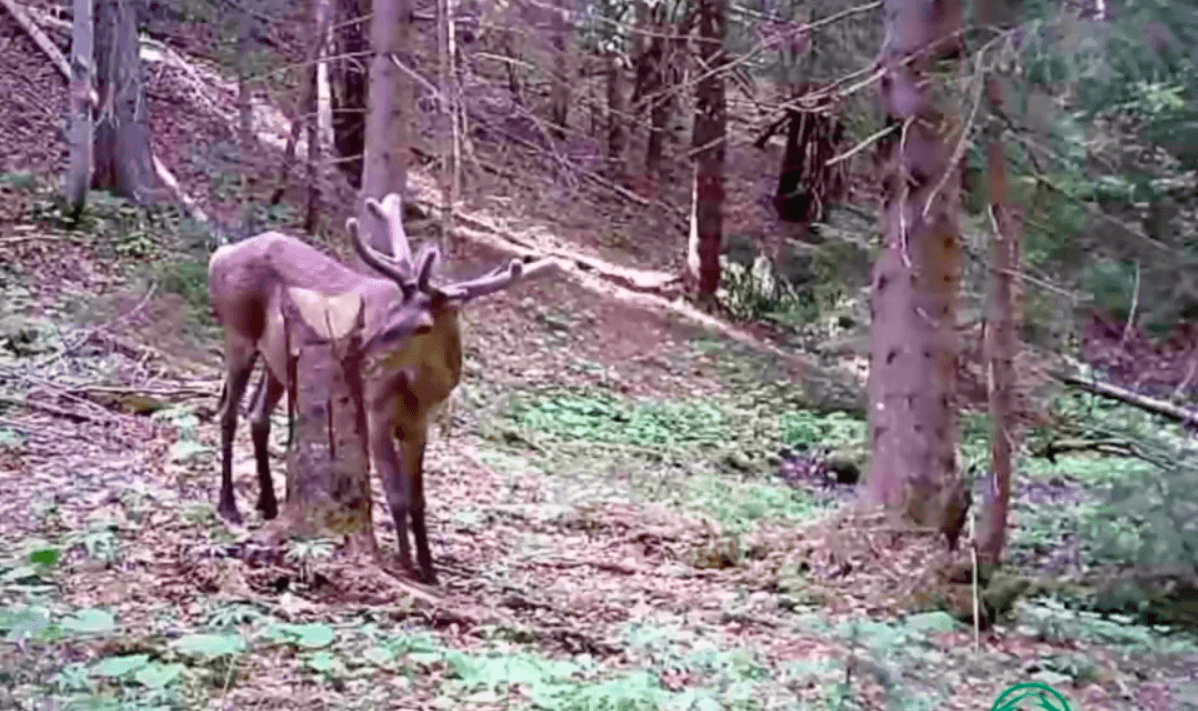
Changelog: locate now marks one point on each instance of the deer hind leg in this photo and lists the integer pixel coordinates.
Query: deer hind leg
(266, 397)
(239, 365)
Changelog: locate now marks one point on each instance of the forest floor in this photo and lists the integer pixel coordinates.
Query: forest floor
(605, 507)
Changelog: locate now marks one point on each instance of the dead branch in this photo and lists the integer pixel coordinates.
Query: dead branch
(60, 412)
(1115, 447)
(41, 238)
(635, 279)
(1143, 402)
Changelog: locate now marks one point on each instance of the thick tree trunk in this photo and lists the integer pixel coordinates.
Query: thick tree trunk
(1002, 328)
(328, 464)
(390, 115)
(913, 342)
(349, 83)
(708, 139)
(79, 174)
(123, 160)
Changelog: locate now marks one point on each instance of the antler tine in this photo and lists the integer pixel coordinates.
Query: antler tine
(496, 280)
(390, 212)
(427, 260)
(377, 261)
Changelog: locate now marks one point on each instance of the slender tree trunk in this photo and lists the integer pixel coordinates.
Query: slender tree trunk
(349, 85)
(315, 152)
(1002, 328)
(615, 117)
(560, 91)
(650, 88)
(913, 342)
(708, 139)
(123, 160)
(245, 115)
(79, 174)
(391, 112)
(308, 99)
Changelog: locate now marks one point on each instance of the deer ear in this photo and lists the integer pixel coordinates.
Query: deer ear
(351, 226)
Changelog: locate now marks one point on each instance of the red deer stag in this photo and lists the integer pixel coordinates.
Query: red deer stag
(404, 381)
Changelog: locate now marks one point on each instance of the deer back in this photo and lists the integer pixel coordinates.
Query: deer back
(246, 280)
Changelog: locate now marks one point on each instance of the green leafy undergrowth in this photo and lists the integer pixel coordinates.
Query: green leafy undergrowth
(715, 456)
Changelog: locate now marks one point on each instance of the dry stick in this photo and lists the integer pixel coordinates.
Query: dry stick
(41, 238)
(35, 405)
(870, 140)
(1131, 315)
(1149, 404)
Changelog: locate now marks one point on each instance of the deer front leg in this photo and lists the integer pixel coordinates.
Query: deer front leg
(413, 460)
(386, 460)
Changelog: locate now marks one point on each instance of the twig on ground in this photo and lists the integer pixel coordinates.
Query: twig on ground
(35, 405)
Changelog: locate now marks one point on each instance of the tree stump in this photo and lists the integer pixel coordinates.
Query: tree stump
(328, 461)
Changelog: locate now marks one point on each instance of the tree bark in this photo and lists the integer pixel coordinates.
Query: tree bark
(616, 138)
(1002, 330)
(123, 159)
(79, 173)
(391, 104)
(245, 116)
(349, 87)
(708, 140)
(328, 463)
(560, 90)
(650, 89)
(306, 105)
(913, 342)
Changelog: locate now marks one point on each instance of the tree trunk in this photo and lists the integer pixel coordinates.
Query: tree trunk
(349, 87)
(79, 174)
(391, 104)
(650, 80)
(615, 117)
(245, 127)
(123, 160)
(305, 106)
(560, 90)
(913, 342)
(708, 140)
(309, 108)
(328, 463)
(1002, 328)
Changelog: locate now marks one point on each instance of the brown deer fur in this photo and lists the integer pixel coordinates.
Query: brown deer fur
(405, 378)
